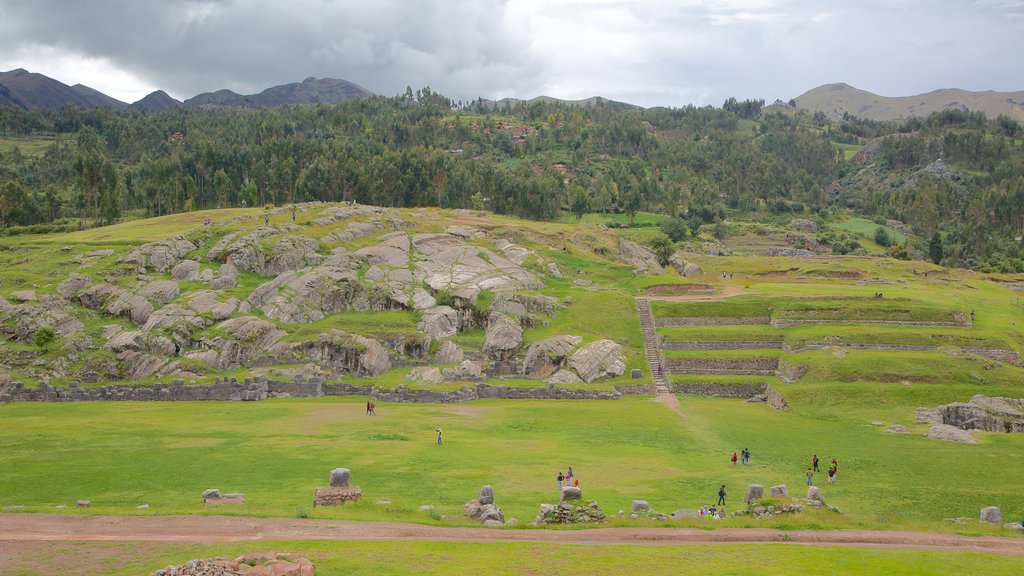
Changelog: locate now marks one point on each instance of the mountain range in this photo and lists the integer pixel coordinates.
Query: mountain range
(29, 90)
(834, 100)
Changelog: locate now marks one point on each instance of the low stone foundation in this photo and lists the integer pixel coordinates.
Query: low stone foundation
(215, 498)
(336, 495)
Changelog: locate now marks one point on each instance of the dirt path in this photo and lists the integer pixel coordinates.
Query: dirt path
(671, 401)
(727, 292)
(19, 529)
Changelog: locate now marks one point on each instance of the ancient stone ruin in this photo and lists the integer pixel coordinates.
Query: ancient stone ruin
(568, 512)
(484, 510)
(339, 491)
(989, 414)
(258, 564)
(642, 509)
(213, 497)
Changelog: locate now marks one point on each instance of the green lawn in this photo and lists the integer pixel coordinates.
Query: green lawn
(120, 455)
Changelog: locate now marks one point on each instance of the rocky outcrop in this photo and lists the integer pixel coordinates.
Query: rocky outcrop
(684, 268)
(160, 291)
(21, 322)
(950, 434)
(243, 340)
(117, 302)
(160, 256)
(992, 515)
(425, 375)
(803, 225)
(502, 337)
(212, 304)
(185, 270)
(789, 252)
(440, 322)
(597, 360)
(991, 414)
(310, 296)
(349, 353)
(545, 357)
(639, 256)
(483, 507)
(449, 353)
(292, 253)
(465, 370)
(259, 564)
(74, 284)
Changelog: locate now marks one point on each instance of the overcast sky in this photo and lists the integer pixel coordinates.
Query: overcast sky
(649, 52)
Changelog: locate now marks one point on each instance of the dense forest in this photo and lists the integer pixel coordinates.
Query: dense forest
(956, 178)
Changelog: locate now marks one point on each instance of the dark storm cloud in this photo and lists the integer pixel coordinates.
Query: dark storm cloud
(650, 52)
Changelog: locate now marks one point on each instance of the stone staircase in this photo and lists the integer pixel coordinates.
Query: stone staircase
(654, 357)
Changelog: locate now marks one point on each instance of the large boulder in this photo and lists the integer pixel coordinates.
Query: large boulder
(340, 477)
(310, 296)
(160, 291)
(240, 341)
(814, 494)
(992, 515)
(425, 374)
(449, 353)
(160, 256)
(465, 370)
(208, 302)
(571, 493)
(564, 377)
(71, 286)
(685, 268)
(597, 360)
(502, 337)
(780, 491)
(992, 414)
(639, 256)
(950, 434)
(440, 322)
(185, 270)
(486, 495)
(754, 492)
(545, 357)
(292, 253)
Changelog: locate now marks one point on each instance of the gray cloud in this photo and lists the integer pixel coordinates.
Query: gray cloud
(653, 52)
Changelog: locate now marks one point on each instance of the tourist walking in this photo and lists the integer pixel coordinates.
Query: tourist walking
(569, 475)
(835, 466)
(560, 480)
(810, 477)
(733, 458)
(831, 475)
(367, 407)
(266, 219)
(373, 409)
(439, 436)
(721, 495)
(814, 463)
(745, 456)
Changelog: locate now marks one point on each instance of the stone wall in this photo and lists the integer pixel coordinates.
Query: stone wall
(782, 323)
(1008, 356)
(737, 345)
(177, 391)
(711, 321)
(717, 389)
(741, 366)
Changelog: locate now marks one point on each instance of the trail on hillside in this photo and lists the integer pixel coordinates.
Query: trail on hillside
(19, 529)
(672, 402)
(727, 292)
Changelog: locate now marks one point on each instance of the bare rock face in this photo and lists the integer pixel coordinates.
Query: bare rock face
(803, 225)
(292, 253)
(597, 360)
(117, 302)
(637, 255)
(21, 322)
(160, 291)
(449, 353)
(502, 337)
(685, 268)
(991, 414)
(780, 491)
(245, 253)
(440, 322)
(425, 374)
(545, 357)
(245, 338)
(74, 284)
(310, 296)
(564, 377)
(466, 370)
(513, 252)
(373, 359)
(185, 270)
(209, 302)
(350, 353)
(160, 256)
(484, 508)
(950, 434)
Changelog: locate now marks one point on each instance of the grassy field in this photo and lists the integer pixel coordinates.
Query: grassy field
(465, 559)
(866, 228)
(30, 146)
(121, 455)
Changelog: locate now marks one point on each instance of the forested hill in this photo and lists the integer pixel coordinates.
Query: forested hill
(541, 160)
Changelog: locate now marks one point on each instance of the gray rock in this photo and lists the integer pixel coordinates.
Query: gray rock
(74, 284)
(814, 494)
(502, 337)
(571, 493)
(564, 377)
(160, 291)
(449, 353)
(292, 253)
(185, 270)
(208, 302)
(545, 357)
(992, 414)
(803, 225)
(684, 514)
(640, 505)
(950, 434)
(597, 360)
(340, 477)
(780, 491)
(440, 322)
(992, 515)
(489, 523)
(425, 374)
(637, 255)
(24, 295)
(1017, 526)
(898, 429)
(754, 492)
(83, 504)
(466, 370)
(486, 495)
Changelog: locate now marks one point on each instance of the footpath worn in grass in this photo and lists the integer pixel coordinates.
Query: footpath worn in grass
(121, 455)
(457, 559)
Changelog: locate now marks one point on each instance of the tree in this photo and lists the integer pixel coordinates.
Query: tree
(44, 337)
(720, 231)
(663, 248)
(580, 202)
(631, 201)
(935, 248)
(674, 228)
(477, 201)
(882, 237)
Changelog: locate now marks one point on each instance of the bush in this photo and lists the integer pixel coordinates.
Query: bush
(674, 228)
(882, 237)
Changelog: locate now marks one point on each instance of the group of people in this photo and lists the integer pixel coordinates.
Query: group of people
(833, 470)
(711, 512)
(371, 408)
(567, 479)
(878, 296)
(744, 457)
